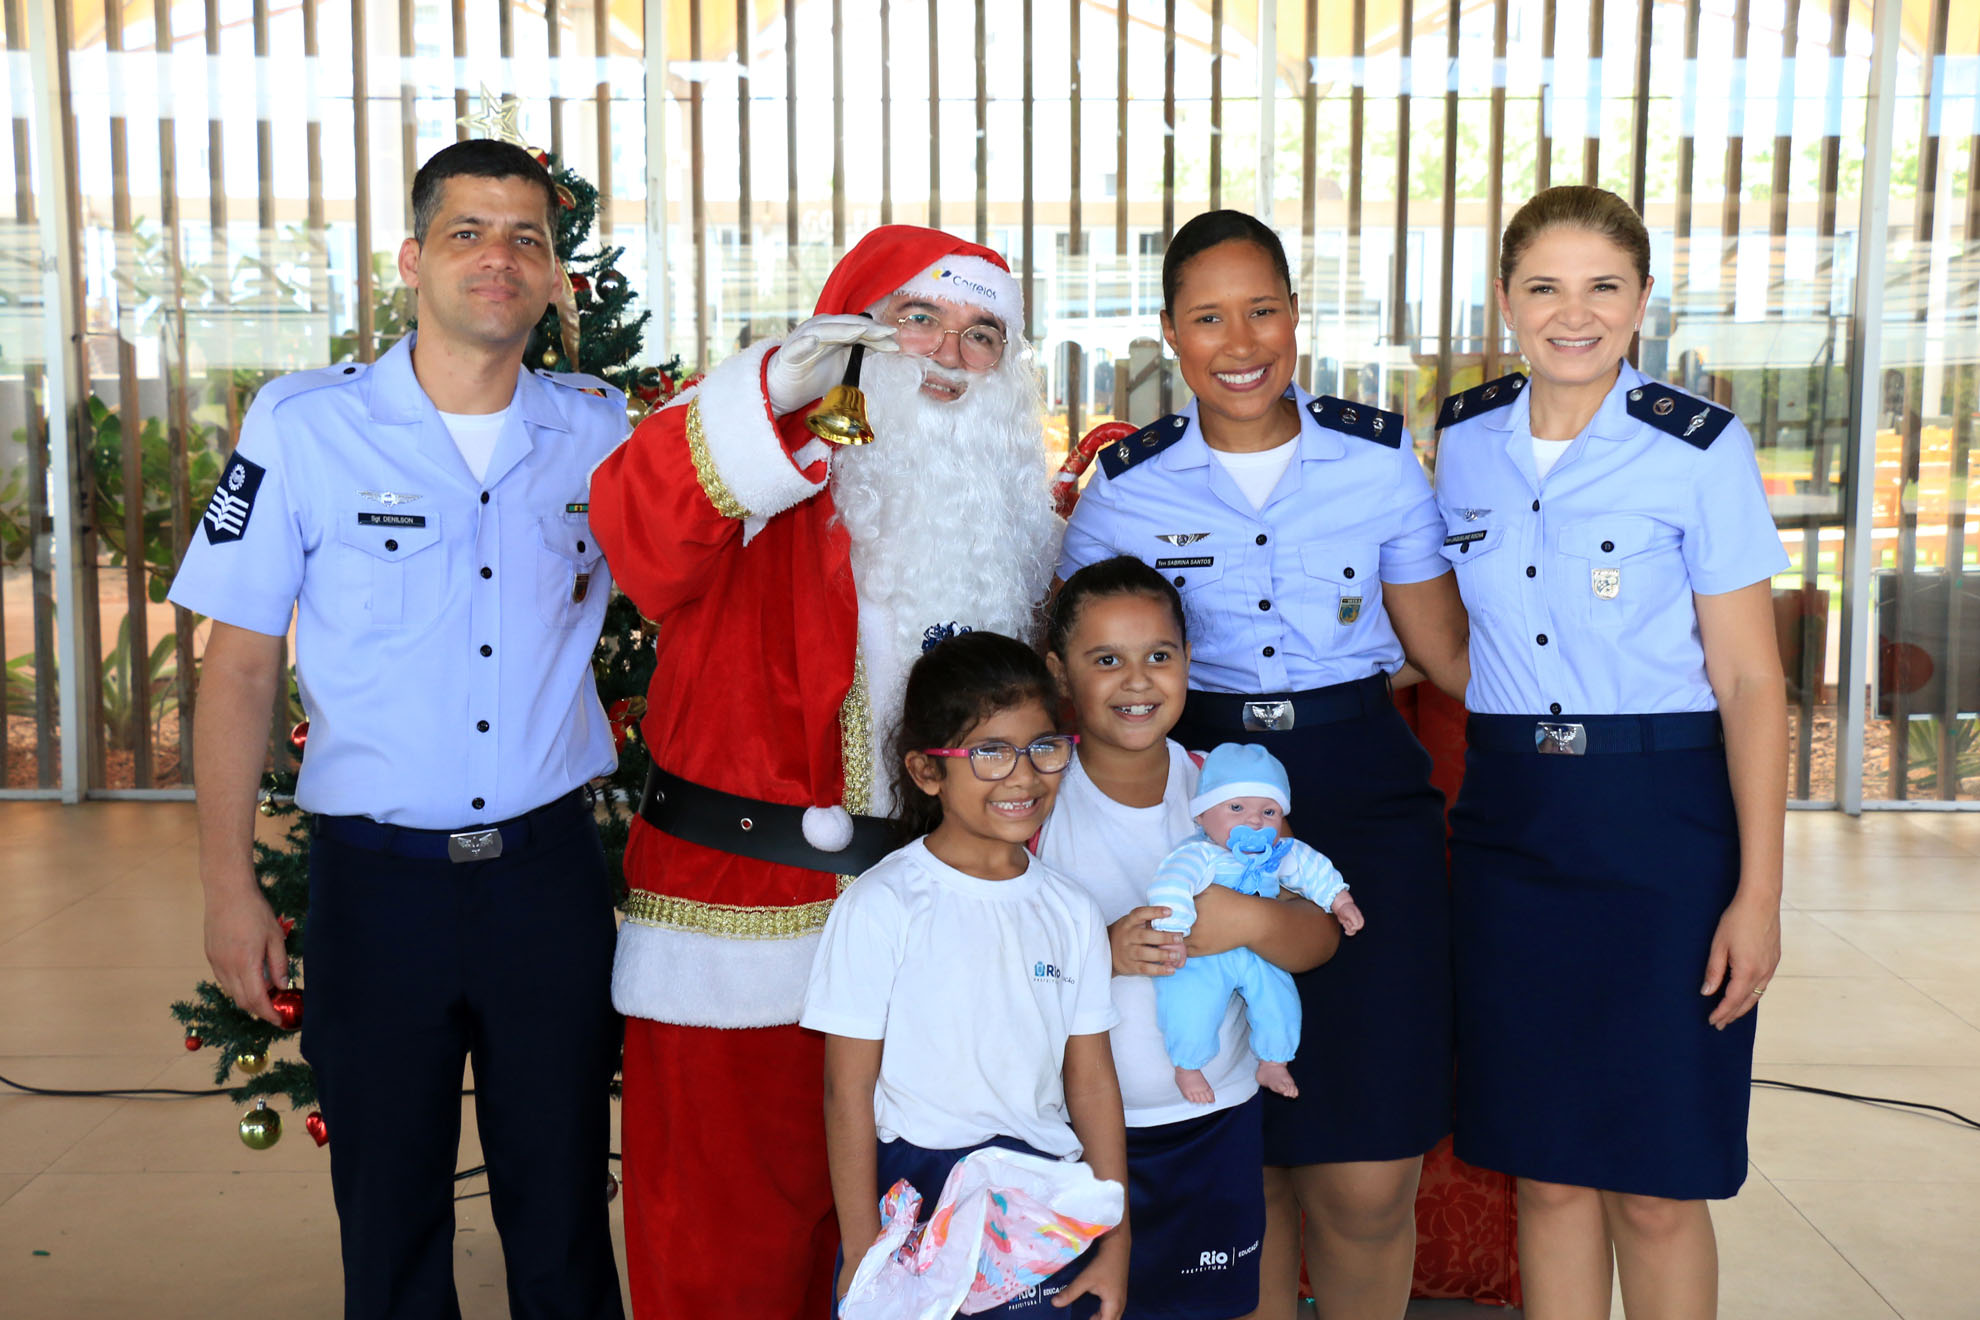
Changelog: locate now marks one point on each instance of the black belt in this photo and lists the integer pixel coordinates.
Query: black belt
(1594, 735)
(474, 843)
(750, 827)
(1274, 714)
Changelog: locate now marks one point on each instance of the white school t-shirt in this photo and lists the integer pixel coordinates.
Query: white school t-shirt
(1112, 851)
(972, 986)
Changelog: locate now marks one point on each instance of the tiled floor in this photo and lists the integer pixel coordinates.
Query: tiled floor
(153, 1208)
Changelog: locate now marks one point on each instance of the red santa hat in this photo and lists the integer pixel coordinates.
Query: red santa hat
(910, 259)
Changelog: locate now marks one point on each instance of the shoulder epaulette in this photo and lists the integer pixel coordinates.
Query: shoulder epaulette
(302, 382)
(1362, 419)
(1672, 411)
(1480, 399)
(1149, 441)
(577, 380)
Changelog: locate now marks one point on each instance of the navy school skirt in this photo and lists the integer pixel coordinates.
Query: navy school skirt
(927, 1170)
(1374, 1062)
(1196, 1208)
(1587, 892)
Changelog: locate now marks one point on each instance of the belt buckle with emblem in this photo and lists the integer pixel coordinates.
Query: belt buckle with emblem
(1607, 582)
(1268, 716)
(1560, 739)
(474, 845)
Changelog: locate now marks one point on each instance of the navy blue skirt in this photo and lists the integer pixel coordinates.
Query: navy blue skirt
(1374, 1062)
(1196, 1207)
(927, 1170)
(1587, 892)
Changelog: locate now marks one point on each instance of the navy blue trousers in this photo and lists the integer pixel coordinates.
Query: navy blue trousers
(416, 966)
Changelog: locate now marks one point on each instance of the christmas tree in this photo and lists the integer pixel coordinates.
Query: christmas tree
(591, 329)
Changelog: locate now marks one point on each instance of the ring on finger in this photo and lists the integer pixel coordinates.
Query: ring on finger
(1759, 990)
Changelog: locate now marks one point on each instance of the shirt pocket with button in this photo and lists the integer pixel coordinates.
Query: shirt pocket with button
(1470, 547)
(1196, 579)
(570, 569)
(1342, 584)
(395, 565)
(1613, 563)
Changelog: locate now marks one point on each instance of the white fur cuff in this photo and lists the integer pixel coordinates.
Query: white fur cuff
(695, 980)
(742, 437)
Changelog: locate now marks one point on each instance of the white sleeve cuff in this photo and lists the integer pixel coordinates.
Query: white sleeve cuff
(743, 441)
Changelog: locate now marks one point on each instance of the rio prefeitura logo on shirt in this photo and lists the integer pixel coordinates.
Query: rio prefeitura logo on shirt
(1044, 971)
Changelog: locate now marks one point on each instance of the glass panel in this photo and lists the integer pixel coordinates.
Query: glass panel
(27, 583)
(1923, 740)
(221, 243)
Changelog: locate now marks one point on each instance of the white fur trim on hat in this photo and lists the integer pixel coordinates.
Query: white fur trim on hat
(1222, 793)
(828, 829)
(972, 280)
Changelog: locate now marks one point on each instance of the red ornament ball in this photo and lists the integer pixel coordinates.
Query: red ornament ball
(581, 283)
(194, 1042)
(288, 925)
(318, 1130)
(298, 736)
(288, 1005)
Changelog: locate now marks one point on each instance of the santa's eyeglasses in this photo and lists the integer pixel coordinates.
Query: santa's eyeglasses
(996, 760)
(981, 346)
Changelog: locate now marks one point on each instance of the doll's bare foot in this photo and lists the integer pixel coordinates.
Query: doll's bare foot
(1194, 1086)
(1276, 1077)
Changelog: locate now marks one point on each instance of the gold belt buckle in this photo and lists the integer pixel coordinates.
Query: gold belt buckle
(474, 845)
(1268, 716)
(1560, 739)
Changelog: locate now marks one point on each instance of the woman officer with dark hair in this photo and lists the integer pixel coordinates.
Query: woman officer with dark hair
(1304, 539)
(1616, 849)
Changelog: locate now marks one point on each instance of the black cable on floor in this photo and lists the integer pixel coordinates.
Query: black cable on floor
(1867, 1099)
(117, 1093)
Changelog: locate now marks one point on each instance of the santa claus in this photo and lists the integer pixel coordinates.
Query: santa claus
(794, 582)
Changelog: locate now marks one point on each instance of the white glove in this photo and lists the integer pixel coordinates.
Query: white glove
(812, 358)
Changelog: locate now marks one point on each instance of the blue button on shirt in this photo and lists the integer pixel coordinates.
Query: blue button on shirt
(1629, 523)
(348, 502)
(1283, 598)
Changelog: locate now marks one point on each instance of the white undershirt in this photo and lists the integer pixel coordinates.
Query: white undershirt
(1257, 474)
(475, 435)
(1546, 453)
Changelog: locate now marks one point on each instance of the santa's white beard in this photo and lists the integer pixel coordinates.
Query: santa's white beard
(949, 510)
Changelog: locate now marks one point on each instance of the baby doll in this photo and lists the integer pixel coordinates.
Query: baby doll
(1242, 794)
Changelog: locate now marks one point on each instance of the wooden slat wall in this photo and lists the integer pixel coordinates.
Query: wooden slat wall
(1448, 316)
(130, 418)
(697, 183)
(1495, 185)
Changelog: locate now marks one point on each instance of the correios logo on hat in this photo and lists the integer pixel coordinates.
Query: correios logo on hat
(944, 274)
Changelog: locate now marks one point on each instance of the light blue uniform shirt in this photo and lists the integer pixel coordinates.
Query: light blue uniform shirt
(1287, 597)
(1579, 586)
(444, 626)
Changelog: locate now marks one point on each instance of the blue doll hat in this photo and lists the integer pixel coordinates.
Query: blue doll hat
(1238, 770)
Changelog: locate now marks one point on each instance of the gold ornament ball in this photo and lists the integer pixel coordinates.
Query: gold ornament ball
(261, 1127)
(550, 358)
(267, 806)
(251, 1061)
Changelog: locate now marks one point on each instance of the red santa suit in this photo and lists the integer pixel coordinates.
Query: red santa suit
(718, 521)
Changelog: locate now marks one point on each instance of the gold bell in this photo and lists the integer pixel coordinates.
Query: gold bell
(841, 418)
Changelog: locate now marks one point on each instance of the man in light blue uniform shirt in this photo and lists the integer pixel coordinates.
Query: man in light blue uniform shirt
(1581, 602)
(425, 518)
(1283, 597)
